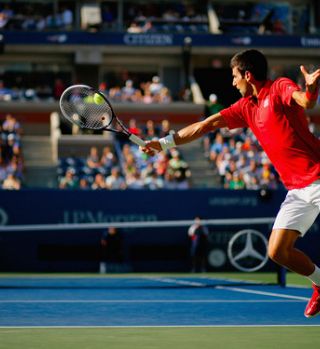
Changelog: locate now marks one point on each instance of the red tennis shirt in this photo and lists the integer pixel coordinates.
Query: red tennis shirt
(281, 128)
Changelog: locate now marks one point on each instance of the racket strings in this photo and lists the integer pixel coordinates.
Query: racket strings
(79, 106)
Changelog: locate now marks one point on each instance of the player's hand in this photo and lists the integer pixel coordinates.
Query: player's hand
(311, 79)
(151, 148)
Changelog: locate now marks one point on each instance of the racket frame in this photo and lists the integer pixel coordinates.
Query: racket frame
(133, 138)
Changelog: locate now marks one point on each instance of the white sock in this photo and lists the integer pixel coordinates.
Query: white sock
(315, 276)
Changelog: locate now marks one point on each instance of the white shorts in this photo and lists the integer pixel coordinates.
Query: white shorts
(300, 209)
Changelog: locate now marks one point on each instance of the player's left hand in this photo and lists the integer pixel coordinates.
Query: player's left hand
(311, 79)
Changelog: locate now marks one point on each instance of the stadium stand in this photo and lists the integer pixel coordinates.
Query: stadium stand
(121, 165)
(240, 162)
(165, 88)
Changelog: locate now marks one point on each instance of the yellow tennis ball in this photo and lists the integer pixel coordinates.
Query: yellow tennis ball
(98, 99)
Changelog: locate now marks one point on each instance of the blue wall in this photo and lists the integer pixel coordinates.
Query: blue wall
(146, 249)
(56, 206)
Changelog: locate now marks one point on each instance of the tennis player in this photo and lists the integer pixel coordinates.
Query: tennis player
(274, 111)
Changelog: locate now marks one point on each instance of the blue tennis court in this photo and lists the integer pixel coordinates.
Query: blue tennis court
(148, 301)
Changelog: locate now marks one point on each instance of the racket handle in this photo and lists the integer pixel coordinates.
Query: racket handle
(133, 138)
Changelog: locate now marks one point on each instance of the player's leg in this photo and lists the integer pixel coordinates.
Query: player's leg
(297, 214)
(281, 250)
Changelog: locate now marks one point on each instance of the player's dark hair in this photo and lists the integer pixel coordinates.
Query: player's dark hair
(253, 61)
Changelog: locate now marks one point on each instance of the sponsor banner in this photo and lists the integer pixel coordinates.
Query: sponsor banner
(67, 206)
(158, 39)
(145, 249)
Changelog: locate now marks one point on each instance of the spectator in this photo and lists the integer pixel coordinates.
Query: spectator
(5, 93)
(84, 184)
(198, 234)
(134, 128)
(11, 182)
(164, 96)
(161, 164)
(169, 180)
(10, 142)
(103, 87)
(128, 91)
(93, 160)
(236, 181)
(16, 167)
(66, 18)
(165, 128)
(111, 251)
(58, 88)
(213, 105)
(147, 97)
(68, 181)
(179, 169)
(115, 180)
(99, 182)
(3, 20)
(216, 147)
(134, 180)
(108, 159)
(134, 28)
(130, 165)
(156, 85)
(150, 131)
(115, 93)
(153, 182)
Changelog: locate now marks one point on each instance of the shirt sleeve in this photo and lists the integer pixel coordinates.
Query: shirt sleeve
(233, 116)
(284, 88)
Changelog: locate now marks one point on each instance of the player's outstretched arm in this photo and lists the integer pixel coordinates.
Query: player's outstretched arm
(186, 134)
(308, 99)
(199, 129)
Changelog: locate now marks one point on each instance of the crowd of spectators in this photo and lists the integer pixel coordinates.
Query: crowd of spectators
(141, 17)
(127, 167)
(240, 162)
(11, 159)
(248, 17)
(175, 17)
(45, 92)
(35, 16)
(137, 18)
(146, 92)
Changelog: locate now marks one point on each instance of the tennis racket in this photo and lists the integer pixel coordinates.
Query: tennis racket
(90, 109)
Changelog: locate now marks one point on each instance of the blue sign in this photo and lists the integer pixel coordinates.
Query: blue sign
(67, 206)
(158, 39)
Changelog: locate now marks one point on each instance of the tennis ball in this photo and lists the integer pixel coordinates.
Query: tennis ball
(98, 99)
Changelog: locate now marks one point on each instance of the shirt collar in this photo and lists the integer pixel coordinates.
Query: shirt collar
(263, 92)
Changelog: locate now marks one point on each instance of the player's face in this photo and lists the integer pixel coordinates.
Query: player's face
(241, 83)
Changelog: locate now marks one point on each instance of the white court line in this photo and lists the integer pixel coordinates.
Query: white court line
(272, 294)
(155, 326)
(134, 301)
(176, 281)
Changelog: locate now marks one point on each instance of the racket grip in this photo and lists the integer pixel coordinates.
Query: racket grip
(133, 138)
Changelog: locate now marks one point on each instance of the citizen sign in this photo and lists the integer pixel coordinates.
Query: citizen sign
(148, 39)
(310, 42)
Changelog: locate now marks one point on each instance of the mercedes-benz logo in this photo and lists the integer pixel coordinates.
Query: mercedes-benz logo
(248, 245)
